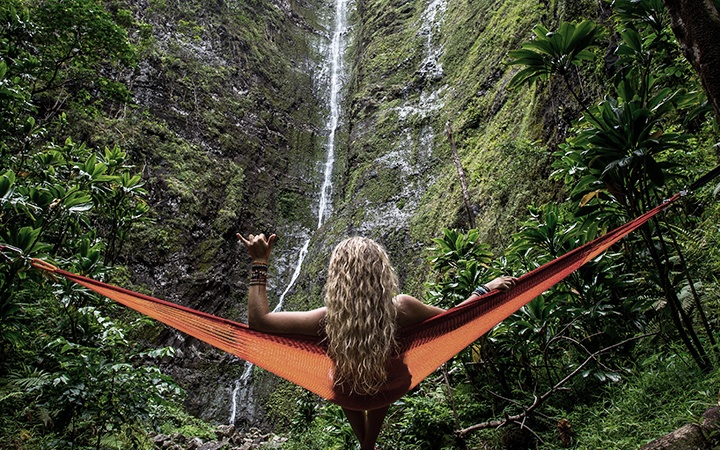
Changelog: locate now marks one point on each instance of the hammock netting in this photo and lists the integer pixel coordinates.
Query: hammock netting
(423, 347)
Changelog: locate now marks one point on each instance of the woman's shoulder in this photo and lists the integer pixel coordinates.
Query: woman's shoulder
(410, 310)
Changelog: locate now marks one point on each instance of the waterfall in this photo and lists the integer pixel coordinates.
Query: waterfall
(242, 391)
(428, 21)
(336, 69)
(430, 68)
(412, 153)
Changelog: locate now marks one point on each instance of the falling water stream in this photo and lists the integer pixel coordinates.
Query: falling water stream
(242, 393)
(412, 150)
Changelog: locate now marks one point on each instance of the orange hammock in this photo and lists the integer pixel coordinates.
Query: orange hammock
(423, 347)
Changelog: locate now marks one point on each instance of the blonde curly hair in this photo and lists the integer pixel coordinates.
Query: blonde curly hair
(361, 316)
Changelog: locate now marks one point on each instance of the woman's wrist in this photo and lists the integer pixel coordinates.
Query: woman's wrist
(258, 273)
(481, 290)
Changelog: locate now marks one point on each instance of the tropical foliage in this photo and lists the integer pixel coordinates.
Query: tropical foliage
(557, 53)
(72, 373)
(461, 263)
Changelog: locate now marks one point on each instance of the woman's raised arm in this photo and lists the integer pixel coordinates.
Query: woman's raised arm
(259, 315)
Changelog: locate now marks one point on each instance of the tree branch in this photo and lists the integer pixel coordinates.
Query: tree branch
(461, 175)
(519, 418)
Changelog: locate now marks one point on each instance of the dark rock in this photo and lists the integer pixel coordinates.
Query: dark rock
(711, 419)
(692, 436)
(689, 437)
(225, 430)
(160, 438)
(194, 443)
(228, 439)
(214, 445)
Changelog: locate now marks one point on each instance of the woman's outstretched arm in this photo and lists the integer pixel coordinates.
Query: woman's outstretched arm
(259, 315)
(411, 310)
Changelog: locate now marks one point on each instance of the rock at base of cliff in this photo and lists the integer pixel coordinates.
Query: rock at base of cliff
(689, 437)
(692, 436)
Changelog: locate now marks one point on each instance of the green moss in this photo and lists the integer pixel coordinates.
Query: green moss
(205, 253)
(493, 128)
(161, 240)
(190, 28)
(187, 425)
(294, 206)
(227, 215)
(282, 404)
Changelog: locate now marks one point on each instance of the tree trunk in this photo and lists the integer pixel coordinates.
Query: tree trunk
(461, 175)
(696, 24)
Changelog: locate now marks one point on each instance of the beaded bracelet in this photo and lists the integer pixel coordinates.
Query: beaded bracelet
(256, 265)
(481, 290)
(258, 274)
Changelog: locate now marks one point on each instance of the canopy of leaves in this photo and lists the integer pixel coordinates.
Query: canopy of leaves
(555, 53)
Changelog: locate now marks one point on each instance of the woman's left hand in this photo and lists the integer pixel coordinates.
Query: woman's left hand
(258, 246)
(502, 283)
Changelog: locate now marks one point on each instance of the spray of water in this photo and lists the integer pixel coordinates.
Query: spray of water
(242, 391)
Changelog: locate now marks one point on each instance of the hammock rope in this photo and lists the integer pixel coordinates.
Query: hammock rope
(422, 347)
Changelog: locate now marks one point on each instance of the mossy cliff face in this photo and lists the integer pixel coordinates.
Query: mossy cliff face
(227, 126)
(416, 68)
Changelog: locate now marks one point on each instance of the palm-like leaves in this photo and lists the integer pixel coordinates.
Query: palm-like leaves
(555, 53)
(648, 12)
(620, 147)
(462, 263)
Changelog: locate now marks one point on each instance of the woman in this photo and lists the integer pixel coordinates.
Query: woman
(361, 314)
